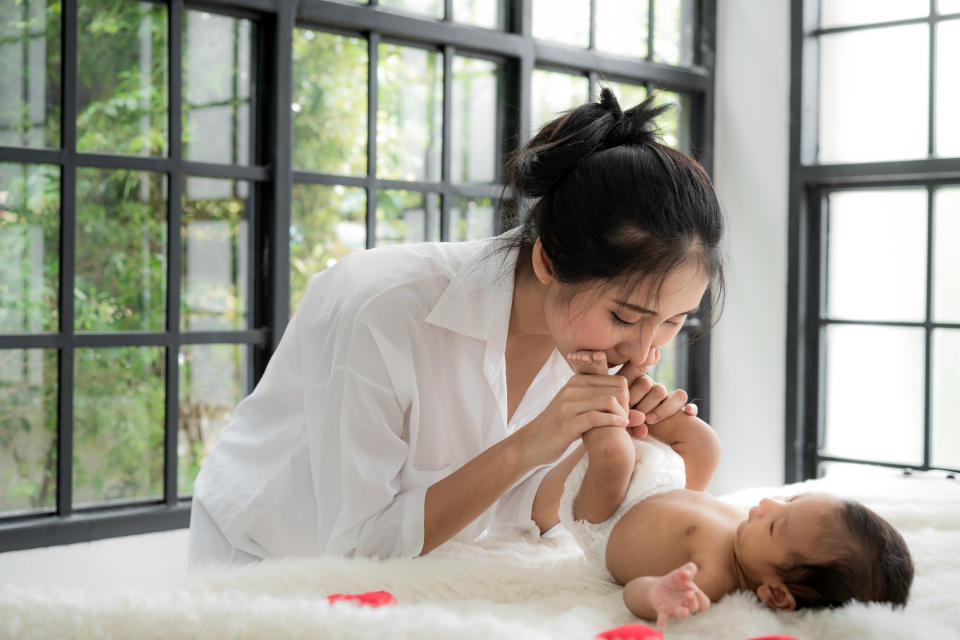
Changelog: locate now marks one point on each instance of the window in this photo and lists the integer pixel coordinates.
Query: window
(875, 201)
(180, 169)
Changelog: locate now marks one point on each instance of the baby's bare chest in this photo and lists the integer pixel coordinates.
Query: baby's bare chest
(662, 533)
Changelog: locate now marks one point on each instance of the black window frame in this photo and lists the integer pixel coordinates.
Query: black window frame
(271, 176)
(810, 184)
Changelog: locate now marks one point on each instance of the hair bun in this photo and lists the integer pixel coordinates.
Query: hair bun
(536, 167)
(609, 102)
(638, 124)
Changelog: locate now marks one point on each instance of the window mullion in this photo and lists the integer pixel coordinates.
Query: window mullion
(446, 141)
(68, 242)
(175, 179)
(928, 336)
(373, 61)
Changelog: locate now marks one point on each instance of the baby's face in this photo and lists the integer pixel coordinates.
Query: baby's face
(778, 528)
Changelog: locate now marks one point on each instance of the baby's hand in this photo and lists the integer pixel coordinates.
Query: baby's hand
(592, 362)
(677, 595)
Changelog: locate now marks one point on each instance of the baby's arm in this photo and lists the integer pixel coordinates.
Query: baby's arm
(611, 452)
(660, 597)
(696, 443)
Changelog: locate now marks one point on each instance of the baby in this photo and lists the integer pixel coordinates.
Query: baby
(675, 550)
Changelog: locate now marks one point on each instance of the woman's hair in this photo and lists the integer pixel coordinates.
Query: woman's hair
(872, 563)
(610, 202)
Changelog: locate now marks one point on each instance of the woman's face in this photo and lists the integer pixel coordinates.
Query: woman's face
(625, 327)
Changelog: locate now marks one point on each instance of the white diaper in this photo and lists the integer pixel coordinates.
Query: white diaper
(659, 468)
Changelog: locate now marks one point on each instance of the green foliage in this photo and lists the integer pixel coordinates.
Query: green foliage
(409, 141)
(28, 428)
(30, 243)
(326, 224)
(214, 223)
(118, 423)
(122, 77)
(329, 103)
(26, 27)
(121, 251)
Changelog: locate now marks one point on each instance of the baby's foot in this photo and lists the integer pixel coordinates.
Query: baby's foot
(593, 362)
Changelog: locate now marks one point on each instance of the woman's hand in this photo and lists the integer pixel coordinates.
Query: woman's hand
(650, 397)
(585, 402)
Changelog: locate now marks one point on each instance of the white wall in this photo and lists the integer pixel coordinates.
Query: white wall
(751, 168)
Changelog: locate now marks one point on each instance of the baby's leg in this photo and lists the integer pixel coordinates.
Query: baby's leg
(611, 455)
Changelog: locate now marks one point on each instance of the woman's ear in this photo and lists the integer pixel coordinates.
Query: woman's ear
(776, 596)
(542, 266)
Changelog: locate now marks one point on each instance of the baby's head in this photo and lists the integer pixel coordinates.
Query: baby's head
(818, 550)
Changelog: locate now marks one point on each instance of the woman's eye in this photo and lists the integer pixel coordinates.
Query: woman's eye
(620, 320)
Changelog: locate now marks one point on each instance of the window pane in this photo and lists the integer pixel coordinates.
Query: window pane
(329, 103)
(409, 113)
(122, 77)
(861, 75)
(622, 27)
(552, 93)
(407, 216)
(670, 370)
(861, 380)
(118, 409)
(480, 13)
(30, 245)
(675, 123)
(28, 430)
(673, 22)
(214, 378)
(121, 279)
(473, 153)
(948, 6)
(946, 400)
(327, 223)
(430, 8)
(565, 21)
(30, 68)
(216, 259)
(877, 255)
(838, 13)
(946, 260)
(218, 91)
(470, 218)
(948, 89)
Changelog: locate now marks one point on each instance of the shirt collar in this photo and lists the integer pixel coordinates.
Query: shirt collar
(478, 299)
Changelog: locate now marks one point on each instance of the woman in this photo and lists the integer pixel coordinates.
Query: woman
(421, 392)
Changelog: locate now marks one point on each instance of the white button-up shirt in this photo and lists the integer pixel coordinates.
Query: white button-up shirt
(390, 376)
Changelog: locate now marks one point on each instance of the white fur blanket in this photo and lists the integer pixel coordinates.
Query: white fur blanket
(497, 589)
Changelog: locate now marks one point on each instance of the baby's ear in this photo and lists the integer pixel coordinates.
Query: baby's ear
(776, 596)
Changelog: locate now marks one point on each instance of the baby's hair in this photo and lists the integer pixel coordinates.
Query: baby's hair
(610, 202)
(873, 563)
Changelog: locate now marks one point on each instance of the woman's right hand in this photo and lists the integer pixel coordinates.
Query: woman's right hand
(585, 402)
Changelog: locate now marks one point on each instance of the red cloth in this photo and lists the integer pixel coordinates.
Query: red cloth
(371, 598)
(635, 631)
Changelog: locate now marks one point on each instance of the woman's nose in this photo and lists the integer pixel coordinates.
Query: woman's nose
(640, 351)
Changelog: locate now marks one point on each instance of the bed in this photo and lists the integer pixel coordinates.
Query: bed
(502, 589)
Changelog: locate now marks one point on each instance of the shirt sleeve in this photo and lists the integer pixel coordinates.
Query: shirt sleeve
(357, 419)
(514, 515)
